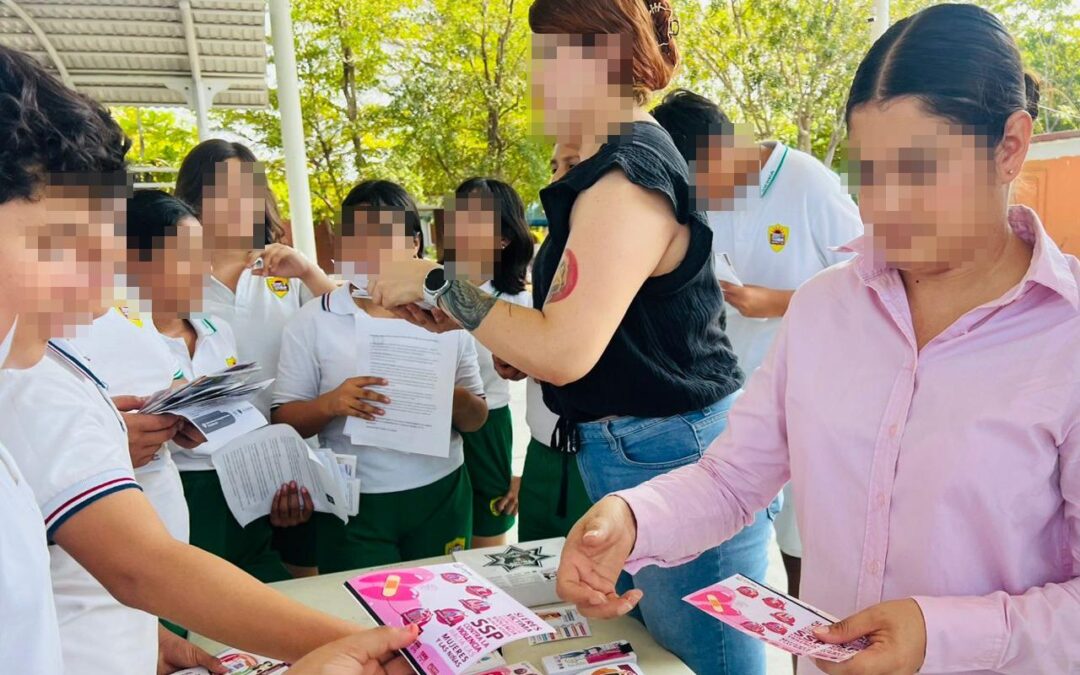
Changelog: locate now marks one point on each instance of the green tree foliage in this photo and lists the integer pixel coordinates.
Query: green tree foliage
(429, 92)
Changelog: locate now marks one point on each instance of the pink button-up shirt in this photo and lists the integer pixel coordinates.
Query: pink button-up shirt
(951, 475)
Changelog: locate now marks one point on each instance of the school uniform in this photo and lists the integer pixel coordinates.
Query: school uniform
(257, 313)
(70, 444)
(412, 506)
(128, 353)
(489, 450)
(212, 526)
(546, 508)
(781, 234)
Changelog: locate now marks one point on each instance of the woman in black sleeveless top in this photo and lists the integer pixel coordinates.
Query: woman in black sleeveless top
(628, 334)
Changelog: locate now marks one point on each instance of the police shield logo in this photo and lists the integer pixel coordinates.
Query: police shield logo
(279, 286)
(778, 237)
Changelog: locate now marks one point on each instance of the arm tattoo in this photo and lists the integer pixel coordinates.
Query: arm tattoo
(566, 278)
(467, 303)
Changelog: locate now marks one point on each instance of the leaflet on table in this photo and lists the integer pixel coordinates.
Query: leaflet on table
(487, 664)
(461, 616)
(566, 623)
(523, 668)
(594, 660)
(525, 571)
(776, 618)
(242, 663)
(252, 468)
(420, 368)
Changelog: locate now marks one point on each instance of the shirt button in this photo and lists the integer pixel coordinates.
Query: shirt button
(892, 431)
(873, 568)
(882, 499)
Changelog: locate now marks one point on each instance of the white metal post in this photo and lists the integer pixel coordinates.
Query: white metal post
(881, 19)
(292, 128)
(200, 97)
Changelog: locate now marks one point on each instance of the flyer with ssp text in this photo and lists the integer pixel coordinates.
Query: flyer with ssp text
(461, 616)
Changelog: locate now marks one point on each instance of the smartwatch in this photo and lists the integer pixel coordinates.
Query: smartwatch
(435, 285)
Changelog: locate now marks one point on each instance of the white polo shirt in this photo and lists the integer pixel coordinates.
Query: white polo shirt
(257, 313)
(129, 354)
(781, 238)
(319, 352)
(496, 389)
(215, 350)
(71, 445)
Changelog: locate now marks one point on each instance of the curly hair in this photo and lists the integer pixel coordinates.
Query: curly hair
(52, 133)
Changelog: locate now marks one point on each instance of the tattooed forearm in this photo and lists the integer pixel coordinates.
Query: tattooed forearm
(467, 303)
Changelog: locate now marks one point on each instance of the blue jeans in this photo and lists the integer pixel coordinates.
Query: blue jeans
(627, 451)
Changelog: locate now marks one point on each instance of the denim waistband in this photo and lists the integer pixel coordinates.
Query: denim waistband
(600, 430)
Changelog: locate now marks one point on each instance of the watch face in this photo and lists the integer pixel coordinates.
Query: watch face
(435, 279)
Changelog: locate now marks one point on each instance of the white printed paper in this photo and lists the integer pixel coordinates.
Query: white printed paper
(253, 467)
(420, 368)
(725, 269)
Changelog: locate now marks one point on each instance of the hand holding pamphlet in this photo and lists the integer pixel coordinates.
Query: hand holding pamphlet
(253, 467)
(773, 617)
(242, 663)
(461, 616)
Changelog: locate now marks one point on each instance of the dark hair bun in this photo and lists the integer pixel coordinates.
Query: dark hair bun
(1031, 88)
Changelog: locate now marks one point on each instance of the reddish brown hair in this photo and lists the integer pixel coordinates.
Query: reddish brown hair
(646, 23)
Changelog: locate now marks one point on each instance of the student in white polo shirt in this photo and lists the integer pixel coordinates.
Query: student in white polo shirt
(166, 263)
(488, 241)
(776, 215)
(256, 285)
(412, 506)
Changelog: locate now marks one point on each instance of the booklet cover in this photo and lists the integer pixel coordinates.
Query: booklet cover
(462, 617)
(592, 660)
(525, 571)
(242, 663)
(523, 668)
(773, 617)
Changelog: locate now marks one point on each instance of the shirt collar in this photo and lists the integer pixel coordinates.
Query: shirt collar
(340, 300)
(1049, 266)
(203, 326)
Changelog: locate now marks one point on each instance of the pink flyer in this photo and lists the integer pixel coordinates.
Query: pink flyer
(462, 617)
(773, 617)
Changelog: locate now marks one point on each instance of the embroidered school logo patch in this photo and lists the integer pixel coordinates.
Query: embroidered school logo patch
(778, 237)
(231, 361)
(279, 286)
(455, 545)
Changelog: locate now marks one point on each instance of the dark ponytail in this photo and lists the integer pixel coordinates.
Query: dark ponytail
(959, 60)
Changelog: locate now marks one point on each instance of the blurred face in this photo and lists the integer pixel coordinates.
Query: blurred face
(473, 238)
(380, 235)
(564, 157)
(927, 189)
(575, 83)
(725, 167)
(234, 205)
(58, 257)
(173, 279)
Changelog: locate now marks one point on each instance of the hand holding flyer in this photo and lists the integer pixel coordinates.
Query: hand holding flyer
(775, 618)
(461, 616)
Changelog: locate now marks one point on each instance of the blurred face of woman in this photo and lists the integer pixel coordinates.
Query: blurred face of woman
(172, 280)
(573, 78)
(380, 235)
(473, 239)
(930, 193)
(234, 207)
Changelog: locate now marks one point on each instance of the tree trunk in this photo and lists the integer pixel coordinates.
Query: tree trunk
(348, 90)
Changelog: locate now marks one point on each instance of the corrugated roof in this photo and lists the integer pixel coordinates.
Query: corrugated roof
(129, 52)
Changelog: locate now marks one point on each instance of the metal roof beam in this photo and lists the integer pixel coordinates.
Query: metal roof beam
(44, 39)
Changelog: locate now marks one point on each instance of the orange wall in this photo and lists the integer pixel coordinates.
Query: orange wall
(1052, 188)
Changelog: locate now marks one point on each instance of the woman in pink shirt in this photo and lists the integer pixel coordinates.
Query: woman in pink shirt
(923, 398)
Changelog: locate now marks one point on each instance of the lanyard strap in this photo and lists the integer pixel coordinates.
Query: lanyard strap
(775, 173)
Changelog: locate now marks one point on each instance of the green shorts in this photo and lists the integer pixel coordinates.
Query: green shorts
(488, 456)
(213, 529)
(541, 482)
(392, 527)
